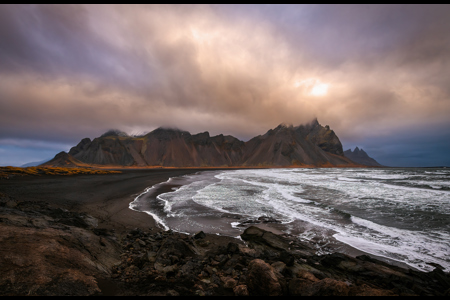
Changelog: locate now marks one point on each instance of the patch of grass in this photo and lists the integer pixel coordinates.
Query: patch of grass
(7, 172)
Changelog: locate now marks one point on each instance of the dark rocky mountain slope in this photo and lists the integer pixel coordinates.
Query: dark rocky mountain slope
(305, 145)
(63, 159)
(360, 156)
(309, 144)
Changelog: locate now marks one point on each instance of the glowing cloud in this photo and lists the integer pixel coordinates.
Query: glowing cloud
(236, 70)
(320, 89)
(312, 87)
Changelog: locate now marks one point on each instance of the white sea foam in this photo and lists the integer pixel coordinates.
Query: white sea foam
(157, 219)
(348, 179)
(133, 205)
(437, 173)
(235, 224)
(324, 198)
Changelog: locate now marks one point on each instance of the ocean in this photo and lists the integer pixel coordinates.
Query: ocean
(401, 214)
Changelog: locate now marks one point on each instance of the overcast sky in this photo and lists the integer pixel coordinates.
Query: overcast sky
(378, 75)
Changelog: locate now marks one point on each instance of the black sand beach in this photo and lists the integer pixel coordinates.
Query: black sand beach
(75, 235)
(105, 197)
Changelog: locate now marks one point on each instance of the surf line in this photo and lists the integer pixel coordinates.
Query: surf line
(134, 204)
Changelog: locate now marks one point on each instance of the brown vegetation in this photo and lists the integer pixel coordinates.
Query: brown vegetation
(8, 172)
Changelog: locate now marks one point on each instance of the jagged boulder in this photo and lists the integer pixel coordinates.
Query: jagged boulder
(260, 236)
(173, 248)
(262, 279)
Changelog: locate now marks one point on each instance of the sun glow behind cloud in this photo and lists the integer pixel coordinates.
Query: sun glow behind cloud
(320, 89)
(312, 87)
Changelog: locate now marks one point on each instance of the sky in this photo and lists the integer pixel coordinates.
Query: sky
(378, 75)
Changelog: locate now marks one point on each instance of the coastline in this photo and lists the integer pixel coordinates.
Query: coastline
(106, 198)
(332, 245)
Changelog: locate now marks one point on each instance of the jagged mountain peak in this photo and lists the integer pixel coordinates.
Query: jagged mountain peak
(361, 157)
(168, 130)
(358, 151)
(310, 144)
(114, 132)
(284, 126)
(166, 133)
(313, 123)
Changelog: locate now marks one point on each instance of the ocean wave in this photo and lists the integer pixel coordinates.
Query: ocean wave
(345, 201)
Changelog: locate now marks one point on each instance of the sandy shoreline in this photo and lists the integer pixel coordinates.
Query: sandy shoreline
(105, 197)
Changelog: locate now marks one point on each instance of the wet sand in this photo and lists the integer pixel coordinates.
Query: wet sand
(105, 197)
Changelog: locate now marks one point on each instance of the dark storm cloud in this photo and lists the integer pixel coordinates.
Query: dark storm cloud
(57, 41)
(71, 71)
(416, 146)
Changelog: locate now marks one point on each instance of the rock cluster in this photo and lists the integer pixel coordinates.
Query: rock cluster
(51, 251)
(169, 263)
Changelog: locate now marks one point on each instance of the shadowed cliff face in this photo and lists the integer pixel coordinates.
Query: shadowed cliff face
(321, 136)
(310, 144)
(361, 157)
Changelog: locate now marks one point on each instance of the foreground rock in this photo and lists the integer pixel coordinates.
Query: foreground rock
(49, 251)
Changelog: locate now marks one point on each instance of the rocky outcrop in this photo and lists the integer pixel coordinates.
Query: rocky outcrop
(323, 137)
(304, 145)
(262, 279)
(53, 252)
(359, 156)
(65, 160)
(50, 251)
(212, 267)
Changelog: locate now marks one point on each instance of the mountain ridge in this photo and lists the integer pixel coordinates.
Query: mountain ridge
(360, 156)
(310, 144)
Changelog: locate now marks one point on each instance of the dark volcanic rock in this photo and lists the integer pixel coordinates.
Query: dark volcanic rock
(262, 279)
(43, 254)
(361, 157)
(173, 247)
(241, 290)
(199, 235)
(325, 287)
(259, 236)
(266, 219)
(47, 251)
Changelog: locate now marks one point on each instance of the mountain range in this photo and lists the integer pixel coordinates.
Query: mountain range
(360, 156)
(307, 145)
